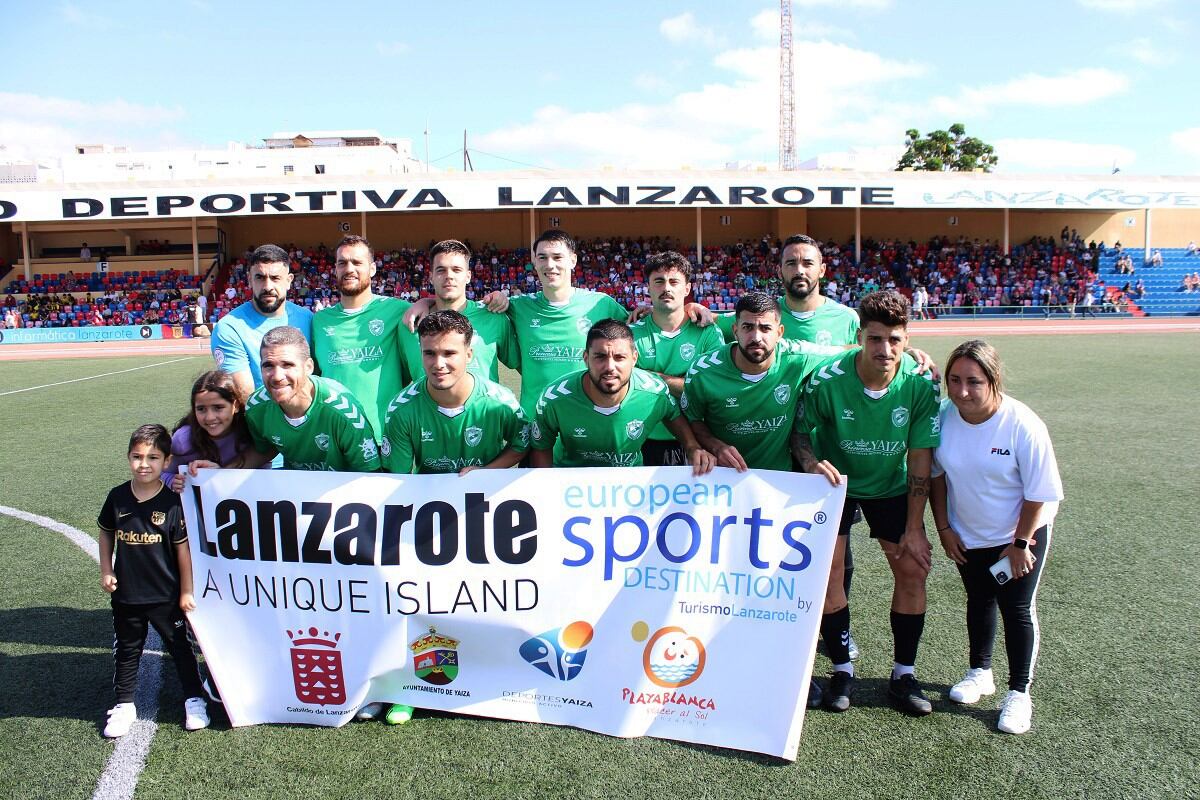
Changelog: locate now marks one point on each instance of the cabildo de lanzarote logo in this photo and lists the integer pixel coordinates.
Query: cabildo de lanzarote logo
(317, 667)
(671, 659)
(559, 652)
(435, 658)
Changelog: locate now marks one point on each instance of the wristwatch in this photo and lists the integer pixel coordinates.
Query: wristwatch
(1021, 544)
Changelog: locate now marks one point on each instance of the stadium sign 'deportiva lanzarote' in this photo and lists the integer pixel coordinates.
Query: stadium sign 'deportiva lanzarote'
(622, 601)
(568, 190)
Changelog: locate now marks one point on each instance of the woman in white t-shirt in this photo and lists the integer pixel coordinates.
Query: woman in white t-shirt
(995, 493)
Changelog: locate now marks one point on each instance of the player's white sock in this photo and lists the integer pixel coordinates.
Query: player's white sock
(847, 667)
(902, 669)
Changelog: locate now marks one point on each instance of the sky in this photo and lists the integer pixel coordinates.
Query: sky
(1057, 86)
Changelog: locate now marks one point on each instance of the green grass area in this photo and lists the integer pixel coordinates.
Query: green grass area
(1117, 697)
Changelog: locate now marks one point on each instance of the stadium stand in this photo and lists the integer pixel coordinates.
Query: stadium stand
(1164, 292)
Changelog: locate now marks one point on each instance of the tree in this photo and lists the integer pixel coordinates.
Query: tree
(942, 151)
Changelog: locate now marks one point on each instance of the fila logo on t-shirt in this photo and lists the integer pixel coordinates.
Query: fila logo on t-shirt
(999, 451)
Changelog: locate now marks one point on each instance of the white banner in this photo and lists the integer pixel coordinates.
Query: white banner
(573, 190)
(632, 602)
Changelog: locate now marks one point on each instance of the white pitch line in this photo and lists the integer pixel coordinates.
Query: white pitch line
(120, 776)
(93, 377)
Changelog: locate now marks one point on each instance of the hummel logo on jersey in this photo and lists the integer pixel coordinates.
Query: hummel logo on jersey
(848, 414)
(687, 351)
(278, 442)
(782, 393)
(426, 436)
(473, 436)
(322, 440)
(731, 402)
(375, 326)
(935, 424)
(580, 433)
(900, 416)
(370, 453)
(998, 451)
(330, 330)
(535, 323)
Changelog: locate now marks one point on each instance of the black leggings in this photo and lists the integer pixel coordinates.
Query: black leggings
(1017, 601)
(130, 623)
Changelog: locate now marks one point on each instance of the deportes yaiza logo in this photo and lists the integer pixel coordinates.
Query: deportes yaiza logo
(900, 416)
(160, 517)
(687, 351)
(559, 652)
(782, 393)
(375, 326)
(672, 658)
(322, 441)
(317, 668)
(473, 436)
(634, 429)
(435, 658)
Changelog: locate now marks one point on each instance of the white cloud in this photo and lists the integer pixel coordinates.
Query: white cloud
(1144, 50)
(868, 4)
(391, 49)
(765, 26)
(839, 96)
(1121, 6)
(1079, 87)
(684, 29)
(74, 15)
(1187, 141)
(1057, 155)
(34, 125)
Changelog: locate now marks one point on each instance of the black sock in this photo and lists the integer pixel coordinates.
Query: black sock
(906, 634)
(835, 630)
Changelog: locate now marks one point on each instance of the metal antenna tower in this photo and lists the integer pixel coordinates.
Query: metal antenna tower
(787, 94)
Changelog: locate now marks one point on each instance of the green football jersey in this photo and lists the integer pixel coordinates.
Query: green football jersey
(552, 337)
(868, 438)
(335, 435)
(493, 343)
(419, 437)
(590, 438)
(831, 324)
(361, 350)
(671, 353)
(755, 416)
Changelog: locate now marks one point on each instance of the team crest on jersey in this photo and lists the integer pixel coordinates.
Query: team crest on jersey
(375, 326)
(824, 337)
(219, 356)
(683, 401)
(583, 324)
(426, 436)
(473, 436)
(535, 429)
(158, 517)
(783, 393)
(370, 451)
(385, 447)
(900, 417)
(687, 351)
(634, 429)
(322, 440)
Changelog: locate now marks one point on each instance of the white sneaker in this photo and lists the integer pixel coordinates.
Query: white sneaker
(195, 713)
(120, 720)
(369, 711)
(975, 684)
(1016, 712)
